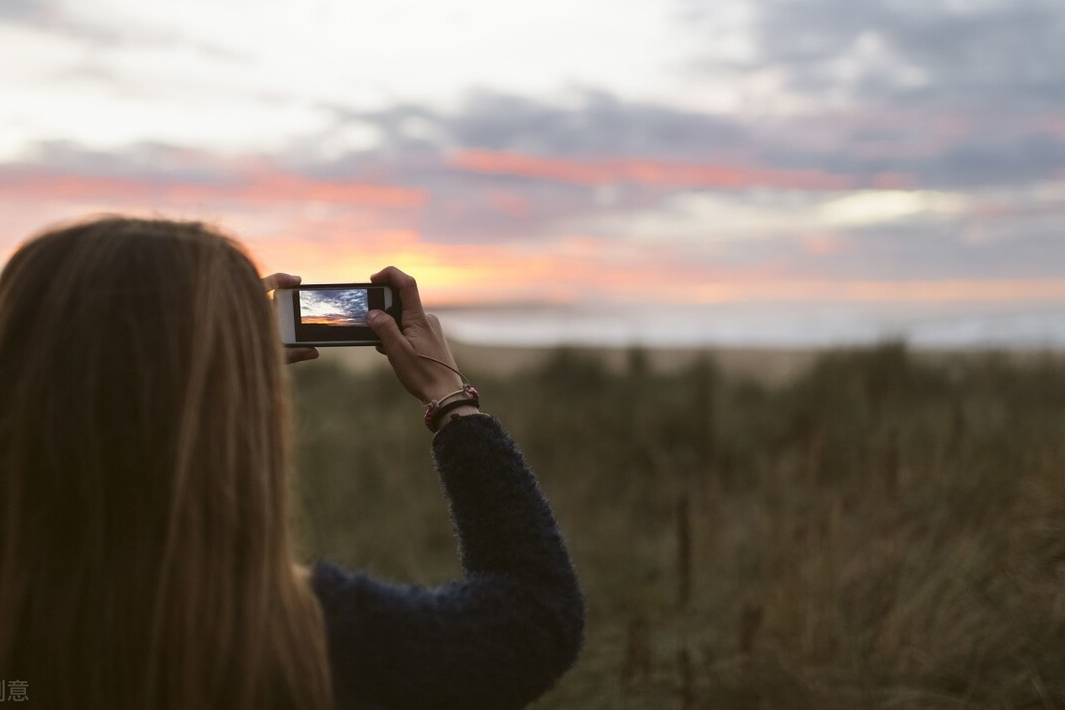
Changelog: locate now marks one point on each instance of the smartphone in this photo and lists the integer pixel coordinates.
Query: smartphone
(332, 314)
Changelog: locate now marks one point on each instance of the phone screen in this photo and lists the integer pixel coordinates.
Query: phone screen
(336, 314)
(339, 307)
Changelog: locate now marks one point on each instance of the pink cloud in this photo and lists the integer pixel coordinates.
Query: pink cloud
(655, 173)
(508, 203)
(260, 186)
(821, 244)
(892, 181)
(930, 291)
(1054, 125)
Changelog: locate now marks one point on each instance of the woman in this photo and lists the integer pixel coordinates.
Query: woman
(146, 548)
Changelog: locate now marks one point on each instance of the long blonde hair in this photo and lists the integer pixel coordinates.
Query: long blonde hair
(146, 545)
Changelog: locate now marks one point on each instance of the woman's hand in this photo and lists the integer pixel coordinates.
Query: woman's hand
(274, 281)
(421, 335)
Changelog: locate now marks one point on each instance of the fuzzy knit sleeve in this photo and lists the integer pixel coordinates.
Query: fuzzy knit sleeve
(496, 638)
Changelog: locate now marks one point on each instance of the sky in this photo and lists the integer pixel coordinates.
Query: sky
(670, 171)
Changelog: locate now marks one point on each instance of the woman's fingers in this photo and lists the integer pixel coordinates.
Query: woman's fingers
(418, 351)
(280, 280)
(283, 280)
(393, 342)
(408, 291)
(294, 355)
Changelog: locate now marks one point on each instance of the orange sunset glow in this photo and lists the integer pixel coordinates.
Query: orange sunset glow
(325, 320)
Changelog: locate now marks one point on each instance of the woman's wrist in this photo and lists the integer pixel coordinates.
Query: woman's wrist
(443, 391)
(443, 395)
(436, 410)
(456, 413)
(444, 404)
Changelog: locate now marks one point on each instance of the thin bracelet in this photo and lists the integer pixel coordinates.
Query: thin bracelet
(446, 397)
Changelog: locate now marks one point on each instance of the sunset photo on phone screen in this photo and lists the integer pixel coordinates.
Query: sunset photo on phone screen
(346, 307)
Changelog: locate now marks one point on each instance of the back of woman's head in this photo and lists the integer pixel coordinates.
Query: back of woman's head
(145, 531)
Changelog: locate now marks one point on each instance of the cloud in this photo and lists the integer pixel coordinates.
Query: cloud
(166, 174)
(50, 16)
(26, 10)
(898, 143)
(776, 201)
(655, 173)
(586, 124)
(913, 291)
(934, 51)
(948, 93)
(256, 187)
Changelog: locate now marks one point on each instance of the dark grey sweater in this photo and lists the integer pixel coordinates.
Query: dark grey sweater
(497, 638)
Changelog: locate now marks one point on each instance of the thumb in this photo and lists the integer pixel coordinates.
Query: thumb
(384, 327)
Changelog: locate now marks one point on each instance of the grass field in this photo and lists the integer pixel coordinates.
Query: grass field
(881, 531)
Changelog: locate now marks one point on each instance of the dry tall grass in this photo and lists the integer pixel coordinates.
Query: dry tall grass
(879, 533)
